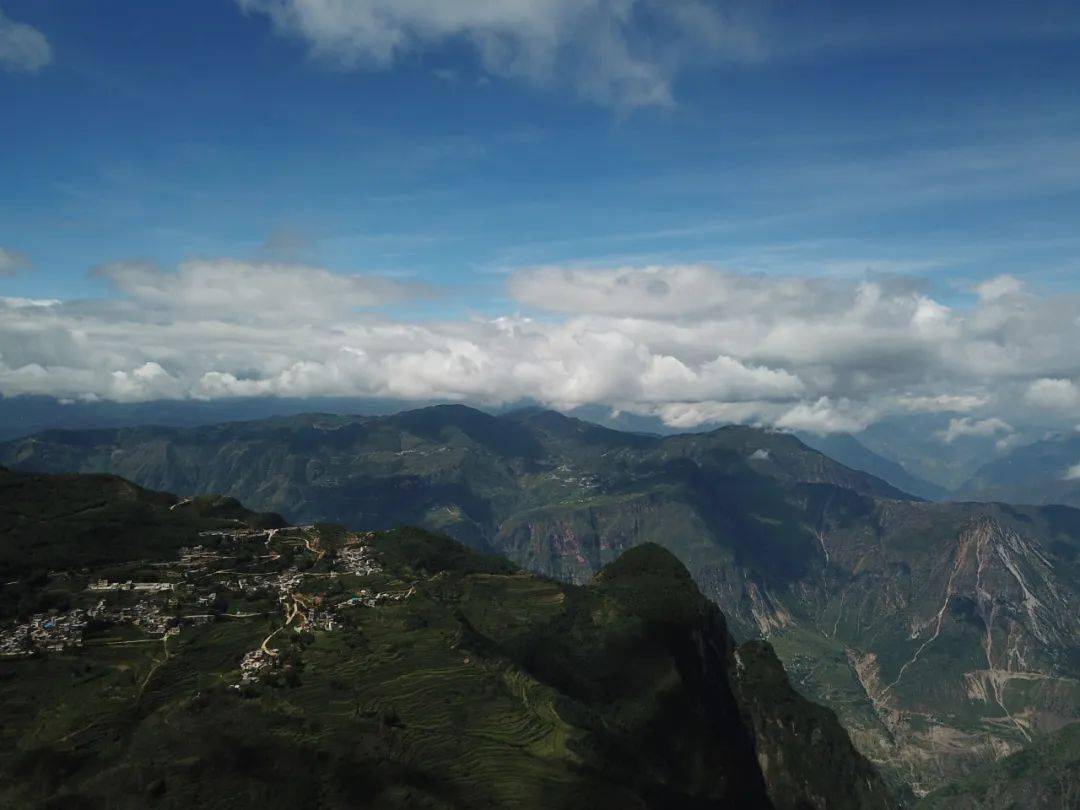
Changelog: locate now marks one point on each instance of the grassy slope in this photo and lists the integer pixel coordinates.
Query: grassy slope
(1044, 776)
(487, 687)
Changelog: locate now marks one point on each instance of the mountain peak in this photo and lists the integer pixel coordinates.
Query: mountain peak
(646, 561)
(651, 583)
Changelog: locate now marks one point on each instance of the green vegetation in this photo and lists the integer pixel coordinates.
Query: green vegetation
(1043, 776)
(405, 671)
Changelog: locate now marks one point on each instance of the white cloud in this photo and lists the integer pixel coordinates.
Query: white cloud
(981, 428)
(1006, 443)
(22, 47)
(146, 381)
(1054, 394)
(11, 262)
(942, 403)
(686, 415)
(723, 378)
(1073, 473)
(999, 287)
(826, 416)
(619, 52)
(692, 345)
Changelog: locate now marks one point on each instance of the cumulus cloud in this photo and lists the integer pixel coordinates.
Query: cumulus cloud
(692, 414)
(825, 416)
(1008, 442)
(11, 262)
(692, 345)
(619, 52)
(981, 428)
(22, 47)
(999, 287)
(1054, 394)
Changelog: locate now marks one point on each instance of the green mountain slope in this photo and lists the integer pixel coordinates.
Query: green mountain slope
(69, 522)
(235, 664)
(1044, 776)
(943, 634)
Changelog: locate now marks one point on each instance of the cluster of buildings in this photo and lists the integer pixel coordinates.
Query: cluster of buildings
(372, 599)
(241, 535)
(56, 631)
(147, 616)
(569, 475)
(254, 663)
(141, 587)
(358, 560)
(48, 632)
(312, 612)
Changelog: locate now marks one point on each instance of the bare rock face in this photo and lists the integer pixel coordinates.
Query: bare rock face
(959, 625)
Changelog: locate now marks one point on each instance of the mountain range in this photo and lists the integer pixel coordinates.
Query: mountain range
(1047, 471)
(944, 635)
(877, 450)
(850, 452)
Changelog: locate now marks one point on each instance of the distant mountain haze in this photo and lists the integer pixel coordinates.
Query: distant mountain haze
(849, 451)
(1045, 472)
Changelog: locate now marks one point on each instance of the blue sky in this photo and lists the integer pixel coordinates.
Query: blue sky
(163, 131)
(450, 148)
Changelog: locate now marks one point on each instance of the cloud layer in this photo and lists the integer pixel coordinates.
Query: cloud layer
(22, 47)
(690, 344)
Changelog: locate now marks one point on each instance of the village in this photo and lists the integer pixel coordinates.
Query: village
(227, 575)
(311, 612)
